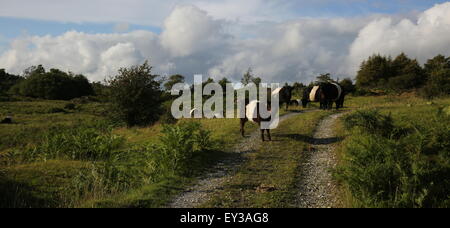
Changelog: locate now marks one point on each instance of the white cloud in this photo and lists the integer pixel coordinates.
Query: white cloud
(189, 30)
(422, 38)
(192, 41)
(95, 55)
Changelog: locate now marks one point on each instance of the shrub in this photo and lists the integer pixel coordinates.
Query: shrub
(370, 121)
(183, 147)
(438, 84)
(70, 106)
(89, 143)
(135, 96)
(409, 171)
(182, 151)
(7, 81)
(167, 117)
(53, 85)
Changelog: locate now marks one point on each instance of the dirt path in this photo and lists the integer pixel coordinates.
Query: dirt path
(212, 182)
(317, 188)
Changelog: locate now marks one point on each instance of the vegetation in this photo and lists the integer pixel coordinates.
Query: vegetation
(79, 144)
(53, 85)
(135, 96)
(404, 74)
(7, 81)
(396, 155)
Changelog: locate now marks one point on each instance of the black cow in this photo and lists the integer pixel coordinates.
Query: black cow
(286, 96)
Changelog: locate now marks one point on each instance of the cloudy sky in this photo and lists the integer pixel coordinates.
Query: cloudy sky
(281, 40)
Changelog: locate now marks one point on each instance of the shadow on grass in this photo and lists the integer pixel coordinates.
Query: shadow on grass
(311, 140)
(14, 194)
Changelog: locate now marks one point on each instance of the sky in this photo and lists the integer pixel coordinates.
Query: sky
(281, 40)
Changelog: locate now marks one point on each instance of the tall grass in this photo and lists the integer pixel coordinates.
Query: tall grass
(385, 168)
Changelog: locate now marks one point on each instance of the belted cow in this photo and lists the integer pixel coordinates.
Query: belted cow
(325, 93)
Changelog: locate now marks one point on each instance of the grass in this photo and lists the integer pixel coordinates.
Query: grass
(413, 163)
(268, 178)
(56, 129)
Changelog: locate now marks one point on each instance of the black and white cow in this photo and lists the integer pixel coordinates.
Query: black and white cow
(325, 93)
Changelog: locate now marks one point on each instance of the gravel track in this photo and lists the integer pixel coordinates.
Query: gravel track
(317, 188)
(212, 181)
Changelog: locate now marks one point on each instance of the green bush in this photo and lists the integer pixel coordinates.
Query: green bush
(53, 85)
(183, 148)
(70, 106)
(438, 84)
(135, 96)
(182, 151)
(408, 171)
(166, 116)
(370, 121)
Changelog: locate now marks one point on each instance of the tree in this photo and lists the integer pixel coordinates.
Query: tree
(257, 81)
(7, 81)
(347, 85)
(437, 63)
(407, 74)
(135, 95)
(39, 69)
(374, 72)
(323, 78)
(437, 70)
(223, 83)
(174, 79)
(438, 84)
(52, 85)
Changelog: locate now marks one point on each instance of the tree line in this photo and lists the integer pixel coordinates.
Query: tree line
(405, 74)
(139, 97)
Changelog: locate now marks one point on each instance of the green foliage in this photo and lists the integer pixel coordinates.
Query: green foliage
(135, 96)
(52, 85)
(370, 121)
(174, 79)
(374, 72)
(324, 78)
(183, 148)
(405, 171)
(437, 63)
(167, 117)
(7, 81)
(347, 85)
(406, 74)
(223, 83)
(88, 143)
(250, 78)
(438, 83)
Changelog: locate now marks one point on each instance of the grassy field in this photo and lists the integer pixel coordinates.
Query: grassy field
(63, 178)
(57, 155)
(402, 162)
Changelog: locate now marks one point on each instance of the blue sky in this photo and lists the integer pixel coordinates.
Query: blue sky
(13, 25)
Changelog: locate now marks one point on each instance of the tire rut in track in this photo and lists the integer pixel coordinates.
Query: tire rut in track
(317, 189)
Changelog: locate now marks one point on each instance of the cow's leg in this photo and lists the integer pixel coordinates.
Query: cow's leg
(268, 133)
(243, 127)
(262, 135)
